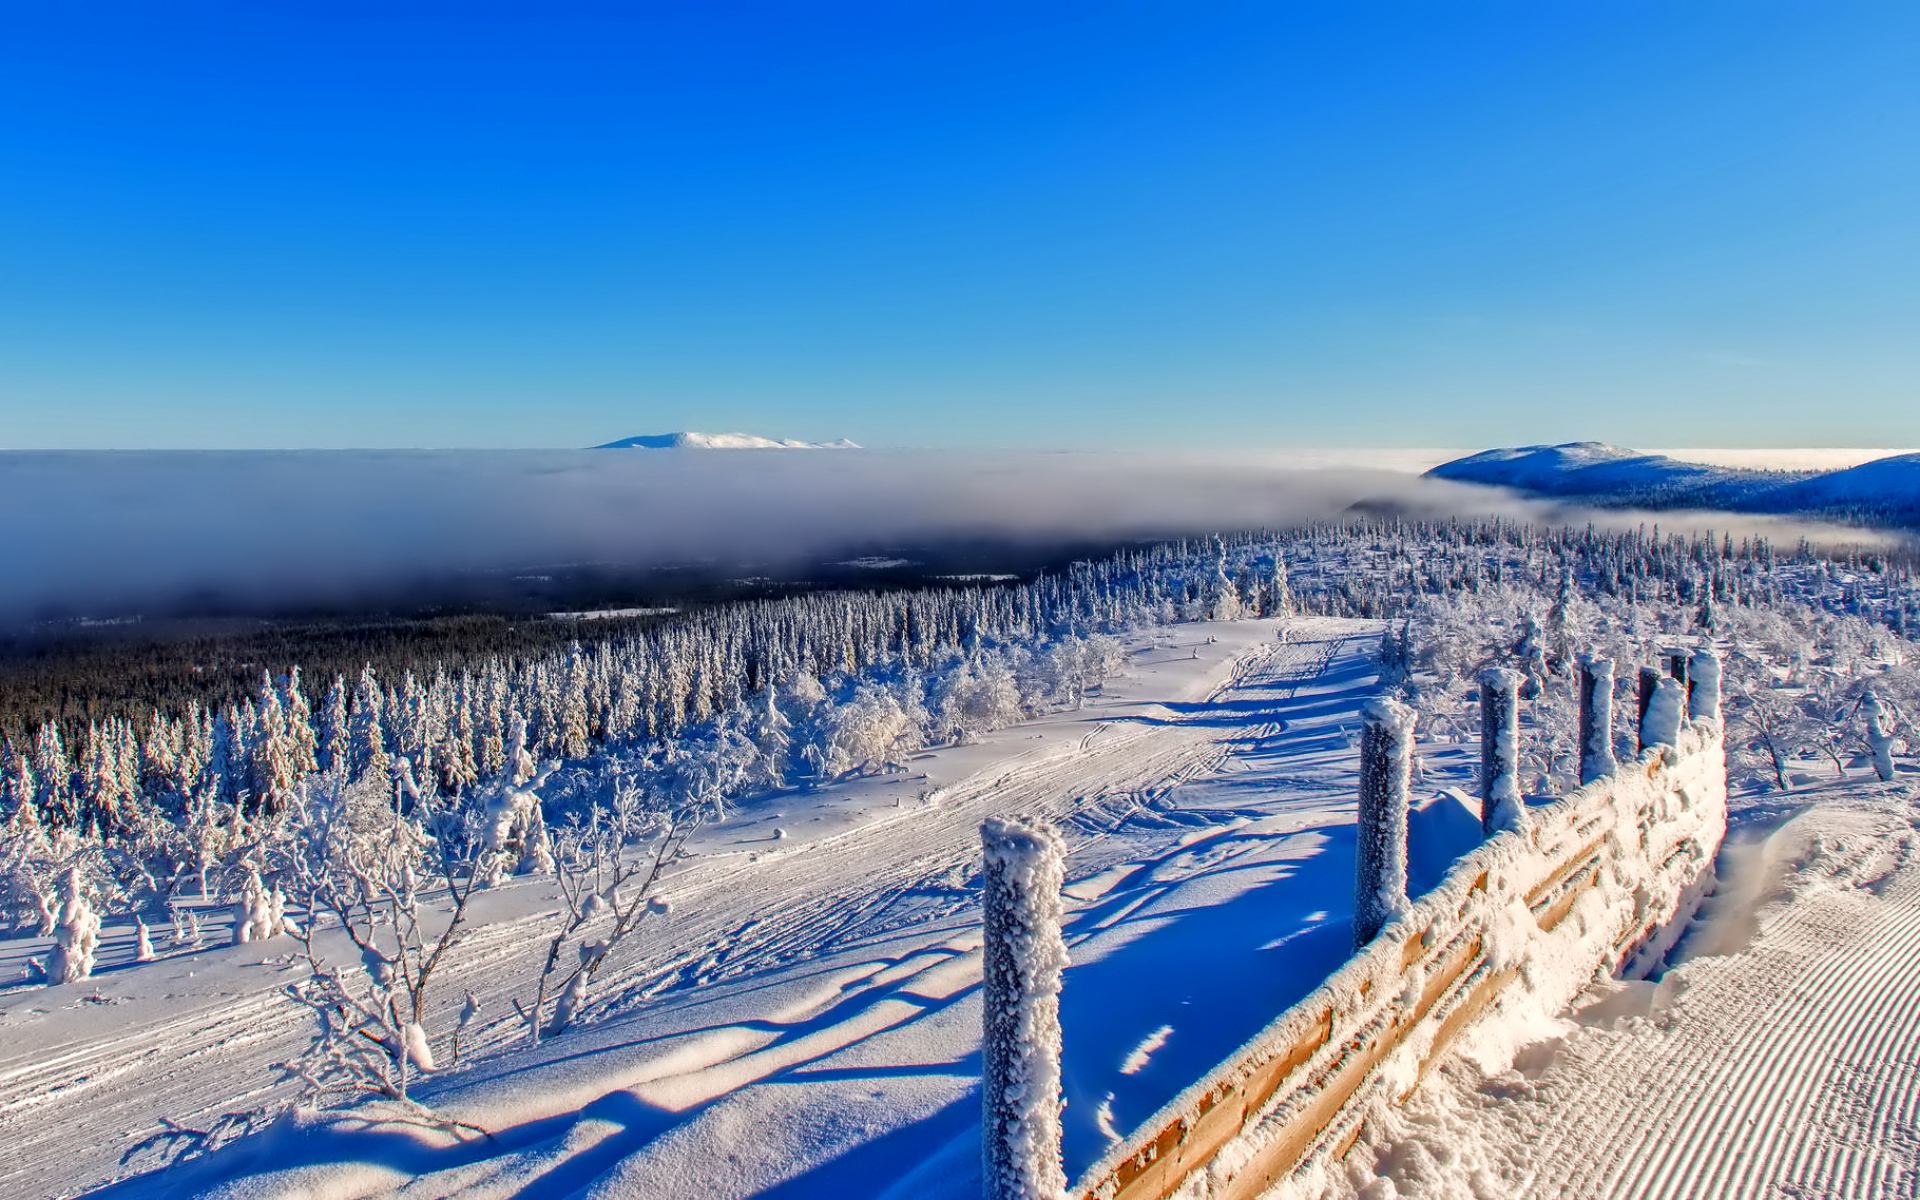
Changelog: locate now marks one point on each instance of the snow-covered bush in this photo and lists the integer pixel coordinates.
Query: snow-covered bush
(870, 731)
(1879, 735)
(260, 913)
(76, 933)
(397, 886)
(606, 867)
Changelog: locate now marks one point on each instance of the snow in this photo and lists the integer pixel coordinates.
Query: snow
(76, 934)
(1879, 735)
(720, 441)
(1596, 753)
(1779, 1056)
(875, 562)
(1894, 481)
(812, 1005)
(1704, 673)
(1823, 458)
(612, 614)
(258, 915)
(1660, 725)
(1588, 469)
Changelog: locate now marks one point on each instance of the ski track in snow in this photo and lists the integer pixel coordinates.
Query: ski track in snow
(897, 888)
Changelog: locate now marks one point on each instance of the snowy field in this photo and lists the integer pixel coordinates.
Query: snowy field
(804, 1022)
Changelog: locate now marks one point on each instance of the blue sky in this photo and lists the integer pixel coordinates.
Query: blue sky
(1127, 225)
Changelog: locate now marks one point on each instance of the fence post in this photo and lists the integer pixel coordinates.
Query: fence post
(1380, 853)
(1703, 699)
(1500, 806)
(1649, 681)
(1677, 665)
(1596, 718)
(1677, 661)
(1661, 724)
(1025, 956)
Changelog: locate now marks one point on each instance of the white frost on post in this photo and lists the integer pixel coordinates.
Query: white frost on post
(1661, 724)
(1597, 759)
(1703, 702)
(76, 933)
(1386, 786)
(1025, 958)
(1879, 737)
(1501, 808)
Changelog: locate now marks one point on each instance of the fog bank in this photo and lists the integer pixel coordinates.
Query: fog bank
(102, 533)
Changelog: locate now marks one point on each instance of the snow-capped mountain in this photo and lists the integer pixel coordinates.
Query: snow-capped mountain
(1886, 489)
(720, 441)
(1597, 471)
(1885, 486)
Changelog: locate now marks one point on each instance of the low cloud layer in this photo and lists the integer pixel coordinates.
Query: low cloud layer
(107, 533)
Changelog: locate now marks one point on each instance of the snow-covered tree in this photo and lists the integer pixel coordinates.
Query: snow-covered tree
(76, 933)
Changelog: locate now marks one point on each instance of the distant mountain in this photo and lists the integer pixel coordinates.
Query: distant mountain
(1599, 472)
(720, 441)
(1886, 490)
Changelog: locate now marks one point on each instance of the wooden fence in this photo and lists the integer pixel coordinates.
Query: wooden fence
(1602, 879)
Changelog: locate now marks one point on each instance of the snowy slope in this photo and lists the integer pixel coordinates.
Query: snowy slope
(720, 441)
(1884, 489)
(1781, 1057)
(1590, 470)
(805, 1023)
(1887, 486)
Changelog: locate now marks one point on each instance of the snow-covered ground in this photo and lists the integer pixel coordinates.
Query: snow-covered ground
(1779, 1056)
(805, 1021)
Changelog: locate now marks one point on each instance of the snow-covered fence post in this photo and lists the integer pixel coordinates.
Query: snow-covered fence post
(1649, 682)
(1500, 750)
(1879, 737)
(1661, 724)
(1677, 661)
(1386, 778)
(1025, 956)
(1677, 666)
(1596, 718)
(1703, 696)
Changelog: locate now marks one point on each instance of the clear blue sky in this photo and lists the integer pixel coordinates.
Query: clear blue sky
(1124, 224)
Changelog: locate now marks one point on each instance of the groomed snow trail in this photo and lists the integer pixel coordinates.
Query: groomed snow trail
(1781, 1057)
